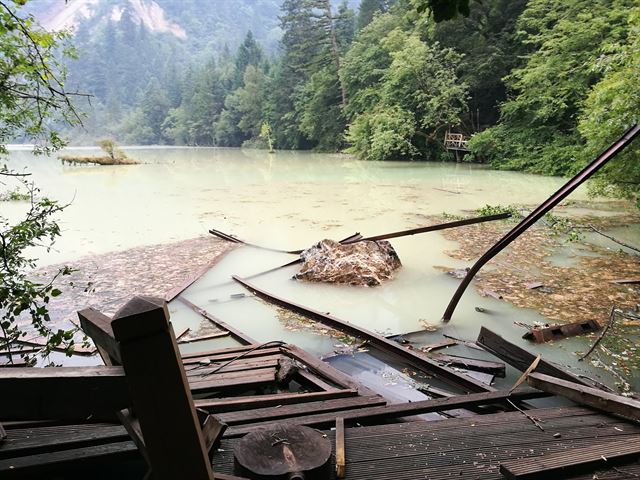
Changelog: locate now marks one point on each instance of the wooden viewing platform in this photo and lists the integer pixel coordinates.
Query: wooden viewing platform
(456, 141)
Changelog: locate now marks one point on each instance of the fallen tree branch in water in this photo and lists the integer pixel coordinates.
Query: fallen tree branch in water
(613, 239)
(612, 317)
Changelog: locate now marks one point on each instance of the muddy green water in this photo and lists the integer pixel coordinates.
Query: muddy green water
(290, 200)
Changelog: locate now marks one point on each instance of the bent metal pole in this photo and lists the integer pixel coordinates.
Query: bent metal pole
(541, 210)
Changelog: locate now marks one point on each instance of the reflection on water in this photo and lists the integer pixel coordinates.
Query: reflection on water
(291, 200)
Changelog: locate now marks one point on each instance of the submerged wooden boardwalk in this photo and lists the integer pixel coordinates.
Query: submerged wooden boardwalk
(181, 415)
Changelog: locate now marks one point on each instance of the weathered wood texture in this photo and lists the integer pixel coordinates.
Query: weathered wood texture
(370, 414)
(98, 326)
(389, 346)
(159, 391)
(605, 401)
(469, 448)
(559, 332)
(231, 404)
(519, 358)
(494, 368)
(560, 464)
(70, 393)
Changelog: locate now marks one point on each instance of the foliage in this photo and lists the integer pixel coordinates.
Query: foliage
(514, 210)
(15, 195)
(612, 106)
(32, 94)
(539, 123)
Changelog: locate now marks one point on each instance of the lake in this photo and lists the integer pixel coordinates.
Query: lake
(290, 200)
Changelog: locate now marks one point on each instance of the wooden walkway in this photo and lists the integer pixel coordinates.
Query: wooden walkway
(469, 448)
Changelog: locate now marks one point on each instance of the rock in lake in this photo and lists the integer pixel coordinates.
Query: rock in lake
(361, 263)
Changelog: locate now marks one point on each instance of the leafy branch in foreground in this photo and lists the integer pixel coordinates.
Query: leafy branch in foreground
(32, 97)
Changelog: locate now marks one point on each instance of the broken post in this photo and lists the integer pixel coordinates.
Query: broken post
(159, 391)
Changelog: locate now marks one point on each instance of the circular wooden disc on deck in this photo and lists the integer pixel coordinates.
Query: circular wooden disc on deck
(282, 451)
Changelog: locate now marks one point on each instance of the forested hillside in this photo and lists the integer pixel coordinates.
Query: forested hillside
(542, 85)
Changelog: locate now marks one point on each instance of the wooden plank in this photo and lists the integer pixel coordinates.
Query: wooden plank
(230, 404)
(171, 294)
(400, 409)
(237, 334)
(519, 358)
(45, 464)
(604, 401)
(159, 391)
(3, 433)
(98, 326)
(559, 465)
(324, 370)
(132, 426)
(217, 356)
(212, 429)
(239, 365)
(70, 393)
(258, 379)
(341, 456)
(36, 443)
(208, 336)
(285, 411)
(494, 368)
(388, 346)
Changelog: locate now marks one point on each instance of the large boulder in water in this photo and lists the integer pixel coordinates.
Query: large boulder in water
(361, 263)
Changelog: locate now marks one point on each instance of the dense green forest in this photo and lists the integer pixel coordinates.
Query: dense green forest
(540, 85)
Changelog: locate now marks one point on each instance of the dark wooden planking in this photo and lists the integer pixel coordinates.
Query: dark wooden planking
(239, 335)
(70, 393)
(494, 368)
(605, 401)
(44, 464)
(219, 357)
(212, 429)
(561, 464)
(230, 404)
(159, 391)
(518, 357)
(239, 365)
(34, 444)
(98, 326)
(3, 433)
(266, 376)
(401, 409)
(222, 377)
(389, 346)
(285, 411)
(341, 456)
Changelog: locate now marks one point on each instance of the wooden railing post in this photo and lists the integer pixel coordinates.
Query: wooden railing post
(159, 391)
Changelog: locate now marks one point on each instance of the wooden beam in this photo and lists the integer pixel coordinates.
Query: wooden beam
(519, 358)
(388, 346)
(98, 326)
(494, 368)
(341, 457)
(159, 391)
(604, 401)
(231, 404)
(237, 334)
(69, 393)
(400, 409)
(603, 453)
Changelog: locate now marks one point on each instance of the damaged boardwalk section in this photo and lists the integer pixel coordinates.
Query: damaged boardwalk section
(272, 410)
